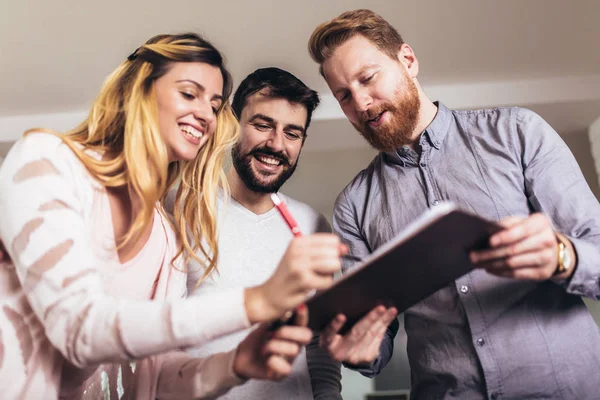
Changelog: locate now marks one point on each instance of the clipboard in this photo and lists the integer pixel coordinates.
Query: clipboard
(428, 255)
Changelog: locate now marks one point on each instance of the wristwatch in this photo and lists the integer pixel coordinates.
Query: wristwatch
(565, 259)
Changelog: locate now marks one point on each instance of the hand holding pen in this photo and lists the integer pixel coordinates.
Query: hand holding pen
(309, 263)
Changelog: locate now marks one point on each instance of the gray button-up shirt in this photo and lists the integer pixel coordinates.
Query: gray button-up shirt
(486, 336)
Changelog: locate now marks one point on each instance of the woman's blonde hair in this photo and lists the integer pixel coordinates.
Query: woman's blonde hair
(123, 125)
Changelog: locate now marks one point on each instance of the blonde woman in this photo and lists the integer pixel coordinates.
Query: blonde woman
(97, 277)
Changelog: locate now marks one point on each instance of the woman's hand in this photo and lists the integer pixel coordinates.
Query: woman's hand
(308, 264)
(270, 355)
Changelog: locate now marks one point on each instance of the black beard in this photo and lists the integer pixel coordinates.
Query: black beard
(243, 167)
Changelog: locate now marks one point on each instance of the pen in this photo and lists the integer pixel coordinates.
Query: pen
(287, 318)
(285, 213)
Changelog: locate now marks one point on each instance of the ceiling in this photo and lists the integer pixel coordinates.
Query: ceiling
(55, 54)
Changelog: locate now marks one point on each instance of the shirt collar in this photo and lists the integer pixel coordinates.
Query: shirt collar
(434, 134)
(438, 128)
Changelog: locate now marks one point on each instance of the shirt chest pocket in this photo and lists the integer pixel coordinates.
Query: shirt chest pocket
(492, 187)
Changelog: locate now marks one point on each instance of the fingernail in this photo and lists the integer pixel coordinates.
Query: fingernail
(494, 241)
(302, 307)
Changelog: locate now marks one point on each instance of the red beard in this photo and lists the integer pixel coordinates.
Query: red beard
(403, 115)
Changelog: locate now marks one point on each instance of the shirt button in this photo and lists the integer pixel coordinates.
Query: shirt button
(423, 164)
(480, 342)
(464, 289)
(435, 202)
